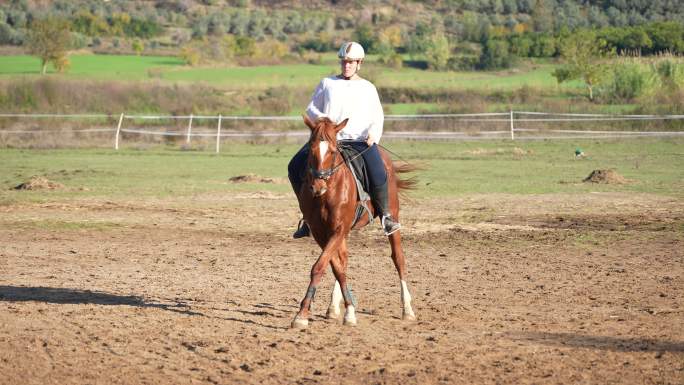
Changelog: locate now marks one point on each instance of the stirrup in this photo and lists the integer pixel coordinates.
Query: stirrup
(389, 225)
(302, 230)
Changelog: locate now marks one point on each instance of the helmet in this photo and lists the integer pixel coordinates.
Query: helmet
(351, 51)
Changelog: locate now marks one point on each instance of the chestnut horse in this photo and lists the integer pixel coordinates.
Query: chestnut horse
(328, 200)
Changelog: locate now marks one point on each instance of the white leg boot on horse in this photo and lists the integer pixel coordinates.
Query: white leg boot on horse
(335, 299)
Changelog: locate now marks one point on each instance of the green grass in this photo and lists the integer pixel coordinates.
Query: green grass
(99, 67)
(171, 69)
(454, 168)
(411, 108)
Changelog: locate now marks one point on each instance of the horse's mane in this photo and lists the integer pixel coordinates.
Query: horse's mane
(325, 128)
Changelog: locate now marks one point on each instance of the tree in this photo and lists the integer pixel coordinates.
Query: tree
(418, 39)
(49, 39)
(438, 51)
(366, 37)
(495, 55)
(542, 16)
(582, 52)
(138, 46)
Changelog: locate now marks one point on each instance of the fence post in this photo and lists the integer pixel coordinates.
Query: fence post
(218, 134)
(189, 130)
(118, 130)
(512, 129)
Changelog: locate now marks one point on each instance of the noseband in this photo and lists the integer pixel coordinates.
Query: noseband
(326, 173)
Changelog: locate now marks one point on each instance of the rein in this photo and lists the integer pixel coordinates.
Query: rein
(325, 174)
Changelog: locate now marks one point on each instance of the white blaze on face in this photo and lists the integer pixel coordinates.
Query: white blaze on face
(323, 148)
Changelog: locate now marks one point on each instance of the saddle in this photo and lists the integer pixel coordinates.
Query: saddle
(357, 165)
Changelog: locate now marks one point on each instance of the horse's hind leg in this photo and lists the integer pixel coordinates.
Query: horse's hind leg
(339, 266)
(400, 264)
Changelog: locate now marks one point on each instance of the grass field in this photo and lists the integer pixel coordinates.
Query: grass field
(452, 168)
(136, 68)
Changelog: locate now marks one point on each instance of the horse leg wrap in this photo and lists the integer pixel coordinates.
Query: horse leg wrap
(310, 294)
(350, 295)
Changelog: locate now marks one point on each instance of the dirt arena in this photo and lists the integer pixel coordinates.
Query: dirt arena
(507, 289)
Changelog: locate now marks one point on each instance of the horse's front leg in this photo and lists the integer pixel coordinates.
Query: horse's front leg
(301, 320)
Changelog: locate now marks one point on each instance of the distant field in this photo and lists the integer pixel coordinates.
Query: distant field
(136, 68)
(453, 168)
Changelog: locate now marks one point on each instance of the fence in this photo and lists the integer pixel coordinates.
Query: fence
(513, 125)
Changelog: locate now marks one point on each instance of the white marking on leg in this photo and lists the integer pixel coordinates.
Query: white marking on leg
(406, 302)
(323, 148)
(299, 323)
(335, 299)
(350, 316)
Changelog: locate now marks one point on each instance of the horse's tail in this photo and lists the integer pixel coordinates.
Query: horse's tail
(407, 183)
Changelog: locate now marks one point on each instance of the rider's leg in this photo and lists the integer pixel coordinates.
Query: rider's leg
(380, 188)
(295, 172)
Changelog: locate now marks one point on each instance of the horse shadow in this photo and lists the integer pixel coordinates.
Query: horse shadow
(56, 295)
(615, 344)
(63, 296)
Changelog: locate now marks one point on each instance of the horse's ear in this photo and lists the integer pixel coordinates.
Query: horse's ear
(308, 122)
(340, 126)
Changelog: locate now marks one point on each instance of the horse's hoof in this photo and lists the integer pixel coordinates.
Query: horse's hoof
(299, 323)
(350, 321)
(408, 316)
(350, 316)
(333, 313)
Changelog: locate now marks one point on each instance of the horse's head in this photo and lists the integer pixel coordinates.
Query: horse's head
(324, 157)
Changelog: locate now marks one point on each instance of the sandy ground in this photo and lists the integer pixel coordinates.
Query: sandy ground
(507, 289)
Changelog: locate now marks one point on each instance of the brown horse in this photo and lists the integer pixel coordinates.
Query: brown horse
(328, 200)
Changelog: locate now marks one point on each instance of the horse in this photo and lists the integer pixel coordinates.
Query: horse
(328, 201)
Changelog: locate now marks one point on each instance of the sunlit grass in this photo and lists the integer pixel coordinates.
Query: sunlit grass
(454, 168)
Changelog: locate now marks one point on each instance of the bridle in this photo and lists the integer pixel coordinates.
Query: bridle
(326, 173)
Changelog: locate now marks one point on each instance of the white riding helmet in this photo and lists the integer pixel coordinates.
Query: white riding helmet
(351, 51)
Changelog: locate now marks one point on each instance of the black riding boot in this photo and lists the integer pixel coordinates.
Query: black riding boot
(302, 227)
(381, 200)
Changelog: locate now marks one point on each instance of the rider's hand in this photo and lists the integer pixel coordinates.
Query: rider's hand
(370, 140)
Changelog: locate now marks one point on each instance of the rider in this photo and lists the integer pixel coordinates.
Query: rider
(347, 95)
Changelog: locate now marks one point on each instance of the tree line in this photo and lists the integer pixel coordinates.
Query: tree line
(445, 35)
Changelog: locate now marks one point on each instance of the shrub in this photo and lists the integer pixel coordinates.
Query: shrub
(628, 82)
(670, 74)
(190, 55)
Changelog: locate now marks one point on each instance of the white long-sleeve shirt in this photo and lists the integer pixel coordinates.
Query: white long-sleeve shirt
(339, 99)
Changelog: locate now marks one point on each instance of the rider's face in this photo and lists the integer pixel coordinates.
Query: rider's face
(349, 67)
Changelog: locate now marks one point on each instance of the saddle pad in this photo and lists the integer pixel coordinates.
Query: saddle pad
(357, 165)
(358, 168)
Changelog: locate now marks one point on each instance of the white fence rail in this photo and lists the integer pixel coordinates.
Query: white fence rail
(502, 125)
